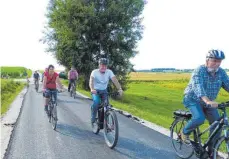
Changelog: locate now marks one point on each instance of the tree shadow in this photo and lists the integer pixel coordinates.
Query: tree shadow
(77, 133)
(139, 150)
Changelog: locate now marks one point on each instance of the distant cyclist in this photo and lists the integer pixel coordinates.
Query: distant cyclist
(72, 77)
(49, 84)
(36, 77)
(202, 90)
(98, 84)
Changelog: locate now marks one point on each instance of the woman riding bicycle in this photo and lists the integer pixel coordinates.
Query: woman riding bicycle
(49, 84)
(98, 83)
(202, 90)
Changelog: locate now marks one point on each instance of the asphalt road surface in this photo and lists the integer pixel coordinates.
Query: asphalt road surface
(34, 138)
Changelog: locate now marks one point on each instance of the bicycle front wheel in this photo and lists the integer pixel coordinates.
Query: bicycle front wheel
(182, 149)
(111, 129)
(54, 117)
(221, 149)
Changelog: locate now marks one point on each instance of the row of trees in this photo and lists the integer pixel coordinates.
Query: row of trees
(79, 32)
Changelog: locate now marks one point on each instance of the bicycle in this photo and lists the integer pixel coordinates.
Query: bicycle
(182, 117)
(52, 110)
(27, 82)
(106, 119)
(36, 82)
(73, 90)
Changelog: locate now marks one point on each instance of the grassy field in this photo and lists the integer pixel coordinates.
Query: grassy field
(152, 76)
(15, 72)
(9, 90)
(156, 99)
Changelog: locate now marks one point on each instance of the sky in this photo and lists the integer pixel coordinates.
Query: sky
(177, 34)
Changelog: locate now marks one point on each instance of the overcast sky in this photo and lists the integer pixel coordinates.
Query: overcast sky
(177, 33)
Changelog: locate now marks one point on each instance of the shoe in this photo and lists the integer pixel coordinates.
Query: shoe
(185, 138)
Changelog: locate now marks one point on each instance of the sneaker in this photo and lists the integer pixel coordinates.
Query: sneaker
(185, 138)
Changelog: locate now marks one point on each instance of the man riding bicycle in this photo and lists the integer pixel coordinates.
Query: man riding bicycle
(202, 91)
(36, 77)
(98, 83)
(72, 77)
(49, 84)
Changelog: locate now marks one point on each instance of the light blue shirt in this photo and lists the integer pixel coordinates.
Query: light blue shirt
(101, 79)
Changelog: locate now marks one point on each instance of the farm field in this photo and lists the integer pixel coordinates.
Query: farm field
(15, 72)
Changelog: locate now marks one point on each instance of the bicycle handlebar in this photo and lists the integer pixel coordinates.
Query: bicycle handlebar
(220, 106)
(109, 94)
(223, 105)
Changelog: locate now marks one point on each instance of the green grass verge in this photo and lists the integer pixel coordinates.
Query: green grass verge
(15, 72)
(9, 90)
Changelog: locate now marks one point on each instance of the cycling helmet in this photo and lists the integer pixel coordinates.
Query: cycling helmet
(216, 54)
(103, 61)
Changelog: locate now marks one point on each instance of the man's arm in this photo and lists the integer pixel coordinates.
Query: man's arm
(69, 75)
(59, 82)
(91, 83)
(225, 80)
(44, 82)
(116, 83)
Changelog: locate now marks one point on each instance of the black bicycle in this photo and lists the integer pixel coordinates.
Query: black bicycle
(73, 90)
(106, 119)
(36, 82)
(52, 110)
(221, 147)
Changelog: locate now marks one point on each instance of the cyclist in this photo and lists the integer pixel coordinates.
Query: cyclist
(98, 84)
(72, 77)
(202, 91)
(36, 77)
(49, 84)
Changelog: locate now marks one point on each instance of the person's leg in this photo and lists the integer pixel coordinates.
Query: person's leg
(212, 115)
(94, 106)
(69, 85)
(198, 117)
(47, 96)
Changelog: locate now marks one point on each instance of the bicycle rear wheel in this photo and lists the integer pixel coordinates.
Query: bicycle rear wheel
(182, 149)
(111, 129)
(37, 86)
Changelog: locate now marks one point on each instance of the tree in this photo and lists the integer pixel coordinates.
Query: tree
(79, 32)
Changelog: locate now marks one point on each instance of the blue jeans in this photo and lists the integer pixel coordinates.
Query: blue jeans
(97, 98)
(199, 113)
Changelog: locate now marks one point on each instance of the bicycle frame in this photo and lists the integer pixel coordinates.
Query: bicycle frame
(221, 123)
(52, 99)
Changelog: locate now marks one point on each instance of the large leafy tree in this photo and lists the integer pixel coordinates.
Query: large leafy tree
(79, 32)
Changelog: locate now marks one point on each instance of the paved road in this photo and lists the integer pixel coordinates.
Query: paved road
(34, 137)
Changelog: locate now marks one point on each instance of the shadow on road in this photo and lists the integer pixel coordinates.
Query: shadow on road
(138, 150)
(75, 132)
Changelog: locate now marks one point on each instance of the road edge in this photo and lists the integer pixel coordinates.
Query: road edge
(9, 120)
